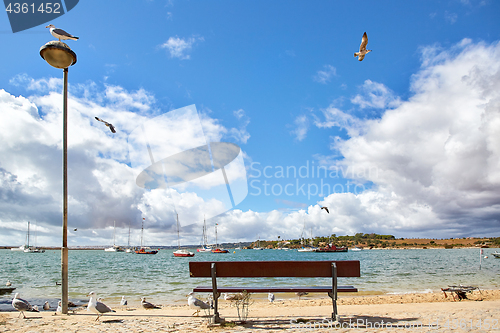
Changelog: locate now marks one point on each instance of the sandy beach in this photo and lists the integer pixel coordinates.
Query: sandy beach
(405, 313)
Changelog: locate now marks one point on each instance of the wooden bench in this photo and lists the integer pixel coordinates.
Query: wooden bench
(259, 269)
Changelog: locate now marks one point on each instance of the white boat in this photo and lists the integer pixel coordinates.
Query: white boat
(306, 249)
(496, 255)
(356, 249)
(204, 240)
(258, 246)
(32, 249)
(114, 248)
(20, 248)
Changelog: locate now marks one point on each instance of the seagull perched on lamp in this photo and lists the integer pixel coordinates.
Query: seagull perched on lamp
(111, 127)
(60, 33)
(362, 48)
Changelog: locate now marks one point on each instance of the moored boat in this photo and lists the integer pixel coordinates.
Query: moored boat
(146, 250)
(142, 249)
(496, 255)
(331, 248)
(181, 252)
(217, 249)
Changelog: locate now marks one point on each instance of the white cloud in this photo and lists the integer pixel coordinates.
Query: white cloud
(375, 95)
(241, 134)
(324, 76)
(301, 127)
(179, 47)
(451, 18)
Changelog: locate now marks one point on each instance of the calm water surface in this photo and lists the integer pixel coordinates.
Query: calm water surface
(165, 279)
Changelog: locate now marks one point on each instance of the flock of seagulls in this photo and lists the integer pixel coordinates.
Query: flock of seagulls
(96, 305)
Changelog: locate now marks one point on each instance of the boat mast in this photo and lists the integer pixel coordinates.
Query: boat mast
(129, 234)
(178, 236)
(114, 232)
(216, 244)
(28, 234)
(142, 230)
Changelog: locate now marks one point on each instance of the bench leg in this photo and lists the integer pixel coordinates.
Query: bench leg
(333, 293)
(216, 295)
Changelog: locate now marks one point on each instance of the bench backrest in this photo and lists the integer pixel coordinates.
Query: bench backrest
(243, 269)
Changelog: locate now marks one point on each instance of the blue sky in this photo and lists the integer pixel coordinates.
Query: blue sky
(279, 80)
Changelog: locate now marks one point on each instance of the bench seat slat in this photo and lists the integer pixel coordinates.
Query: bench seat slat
(312, 289)
(247, 269)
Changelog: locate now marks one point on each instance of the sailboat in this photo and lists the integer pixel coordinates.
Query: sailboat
(32, 249)
(309, 248)
(258, 245)
(217, 249)
(25, 246)
(204, 240)
(114, 248)
(144, 250)
(181, 252)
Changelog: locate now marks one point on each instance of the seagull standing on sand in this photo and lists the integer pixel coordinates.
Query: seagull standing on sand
(270, 297)
(96, 306)
(362, 48)
(111, 127)
(196, 304)
(21, 305)
(60, 33)
(46, 306)
(123, 302)
(59, 307)
(301, 293)
(326, 208)
(147, 305)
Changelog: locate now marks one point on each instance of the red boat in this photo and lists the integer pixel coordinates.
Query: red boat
(220, 251)
(331, 248)
(144, 251)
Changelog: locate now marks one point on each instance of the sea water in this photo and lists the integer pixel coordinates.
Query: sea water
(163, 278)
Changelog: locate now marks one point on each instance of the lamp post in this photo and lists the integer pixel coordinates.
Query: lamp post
(59, 55)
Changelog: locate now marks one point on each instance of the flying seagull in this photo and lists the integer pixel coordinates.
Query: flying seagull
(147, 305)
(111, 127)
(96, 306)
(362, 48)
(326, 208)
(21, 305)
(196, 304)
(60, 33)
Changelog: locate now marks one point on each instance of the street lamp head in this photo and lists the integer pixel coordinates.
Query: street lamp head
(58, 54)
